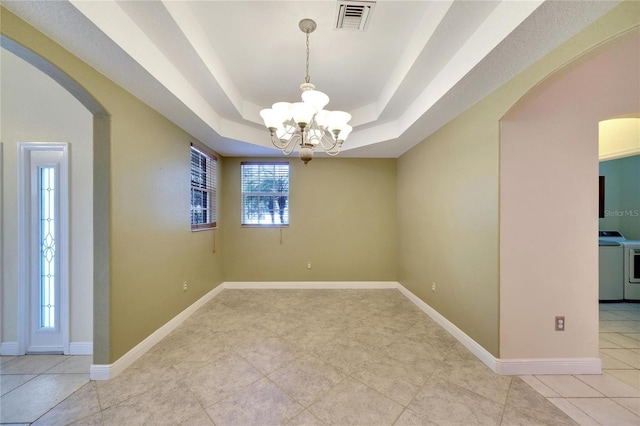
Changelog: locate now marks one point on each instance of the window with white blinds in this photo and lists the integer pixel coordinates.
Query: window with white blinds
(203, 189)
(265, 194)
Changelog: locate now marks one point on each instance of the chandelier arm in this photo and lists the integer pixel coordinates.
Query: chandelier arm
(335, 150)
(290, 147)
(327, 143)
(275, 141)
(286, 147)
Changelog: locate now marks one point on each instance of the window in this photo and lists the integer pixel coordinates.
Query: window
(203, 189)
(265, 193)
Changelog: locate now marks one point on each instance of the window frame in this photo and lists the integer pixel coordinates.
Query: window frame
(285, 212)
(208, 186)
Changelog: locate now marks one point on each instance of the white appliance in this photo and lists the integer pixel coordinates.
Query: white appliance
(630, 263)
(631, 270)
(611, 277)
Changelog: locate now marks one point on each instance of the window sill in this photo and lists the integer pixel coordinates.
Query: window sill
(204, 229)
(264, 226)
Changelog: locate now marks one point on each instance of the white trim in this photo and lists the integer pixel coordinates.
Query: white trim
(549, 366)
(2, 291)
(301, 285)
(481, 353)
(619, 154)
(503, 367)
(43, 350)
(109, 371)
(508, 366)
(81, 348)
(9, 349)
(24, 242)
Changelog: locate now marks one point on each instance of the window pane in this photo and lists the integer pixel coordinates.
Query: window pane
(47, 247)
(203, 189)
(265, 193)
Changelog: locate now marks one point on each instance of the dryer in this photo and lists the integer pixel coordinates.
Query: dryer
(630, 263)
(611, 276)
(631, 270)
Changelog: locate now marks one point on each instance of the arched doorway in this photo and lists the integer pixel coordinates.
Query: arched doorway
(549, 203)
(84, 223)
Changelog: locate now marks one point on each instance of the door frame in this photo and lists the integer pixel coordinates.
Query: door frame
(24, 240)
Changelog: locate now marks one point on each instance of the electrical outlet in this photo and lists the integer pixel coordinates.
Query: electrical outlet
(308, 265)
(433, 286)
(184, 286)
(560, 324)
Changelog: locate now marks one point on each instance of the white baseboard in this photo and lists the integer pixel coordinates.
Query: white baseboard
(9, 348)
(109, 371)
(509, 367)
(81, 348)
(75, 348)
(481, 353)
(499, 366)
(300, 285)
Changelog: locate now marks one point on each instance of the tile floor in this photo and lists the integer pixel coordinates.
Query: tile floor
(314, 357)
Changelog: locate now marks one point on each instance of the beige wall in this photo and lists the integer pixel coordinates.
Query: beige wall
(342, 219)
(37, 109)
(447, 229)
(472, 300)
(448, 224)
(152, 249)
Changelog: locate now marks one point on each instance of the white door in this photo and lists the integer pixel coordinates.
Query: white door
(45, 247)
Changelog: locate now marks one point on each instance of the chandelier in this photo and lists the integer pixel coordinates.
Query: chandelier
(307, 123)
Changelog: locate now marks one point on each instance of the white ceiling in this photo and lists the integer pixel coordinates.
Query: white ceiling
(210, 66)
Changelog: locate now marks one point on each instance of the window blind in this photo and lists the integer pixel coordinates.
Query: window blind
(265, 193)
(203, 189)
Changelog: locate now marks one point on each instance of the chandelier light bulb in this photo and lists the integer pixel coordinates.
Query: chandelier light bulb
(316, 99)
(271, 118)
(322, 118)
(302, 113)
(284, 109)
(338, 119)
(344, 133)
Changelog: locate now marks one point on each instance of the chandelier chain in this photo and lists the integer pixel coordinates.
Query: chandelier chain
(307, 78)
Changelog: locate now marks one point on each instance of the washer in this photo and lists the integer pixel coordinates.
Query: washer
(611, 277)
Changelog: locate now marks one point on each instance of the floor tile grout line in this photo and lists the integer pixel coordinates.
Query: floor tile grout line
(580, 410)
(405, 407)
(587, 414)
(35, 376)
(399, 415)
(195, 397)
(135, 395)
(504, 406)
(597, 390)
(416, 394)
(73, 393)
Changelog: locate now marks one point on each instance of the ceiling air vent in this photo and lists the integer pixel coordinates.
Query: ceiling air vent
(354, 15)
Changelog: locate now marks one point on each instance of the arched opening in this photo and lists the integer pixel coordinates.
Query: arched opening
(94, 160)
(549, 204)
